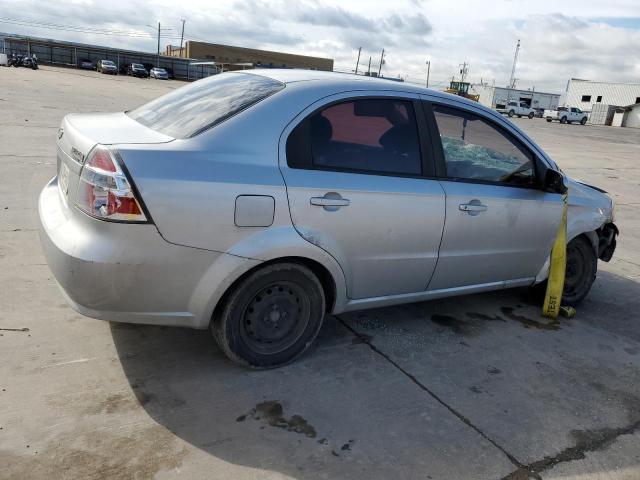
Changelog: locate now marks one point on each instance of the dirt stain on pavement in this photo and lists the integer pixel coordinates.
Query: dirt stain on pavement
(272, 413)
(457, 326)
(485, 317)
(94, 456)
(527, 322)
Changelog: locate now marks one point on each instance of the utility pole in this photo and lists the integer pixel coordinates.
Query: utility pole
(369, 69)
(181, 37)
(512, 80)
(381, 62)
(464, 71)
(358, 61)
(159, 31)
(428, 70)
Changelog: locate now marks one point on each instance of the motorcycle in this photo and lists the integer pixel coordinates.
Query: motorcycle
(23, 61)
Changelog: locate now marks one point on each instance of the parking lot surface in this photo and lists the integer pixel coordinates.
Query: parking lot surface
(475, 387)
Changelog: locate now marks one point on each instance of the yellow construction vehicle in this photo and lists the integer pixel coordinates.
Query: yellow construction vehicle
(461, 89)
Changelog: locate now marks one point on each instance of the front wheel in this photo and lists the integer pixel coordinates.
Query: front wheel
(582, 265)
(530, 115)
(271, 317)
(583, 121)
(580, 273)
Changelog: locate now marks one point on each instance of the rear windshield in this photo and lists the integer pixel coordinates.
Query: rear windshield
(190, 110)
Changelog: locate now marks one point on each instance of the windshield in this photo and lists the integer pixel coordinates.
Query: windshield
(136, 65)
(189, 110)
(159, 70)
(108, 62)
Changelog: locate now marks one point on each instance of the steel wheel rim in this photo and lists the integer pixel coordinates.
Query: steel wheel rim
(275, 318)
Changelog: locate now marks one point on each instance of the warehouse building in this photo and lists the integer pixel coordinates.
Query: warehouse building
(584, 94)
(232, 56)
(497, 97)
(71, 54)
(628, 116)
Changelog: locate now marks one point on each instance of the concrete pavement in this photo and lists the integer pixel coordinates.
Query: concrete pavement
(476, 387)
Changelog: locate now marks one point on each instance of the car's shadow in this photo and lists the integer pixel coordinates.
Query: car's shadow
(347, 410)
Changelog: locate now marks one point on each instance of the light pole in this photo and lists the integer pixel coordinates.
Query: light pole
(181, 37)
(428, 71)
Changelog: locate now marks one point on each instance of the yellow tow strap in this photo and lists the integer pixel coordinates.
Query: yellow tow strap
(557, 266)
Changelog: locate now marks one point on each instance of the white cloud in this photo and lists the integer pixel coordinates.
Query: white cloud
(586, 39)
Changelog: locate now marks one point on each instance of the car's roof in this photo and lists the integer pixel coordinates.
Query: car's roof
(347, 81)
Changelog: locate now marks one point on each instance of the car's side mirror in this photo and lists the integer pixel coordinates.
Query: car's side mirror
(554, 182)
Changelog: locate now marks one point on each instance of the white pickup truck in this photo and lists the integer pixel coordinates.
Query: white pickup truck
(566, 115)
(520, 109)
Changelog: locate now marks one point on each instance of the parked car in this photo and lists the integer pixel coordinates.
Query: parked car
(107, 66)
(159, 73)
(520, 109)
(566, 115)
(137, 70)
(337, 203)
(86, 64)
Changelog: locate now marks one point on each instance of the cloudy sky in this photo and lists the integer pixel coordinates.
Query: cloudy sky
(589, 39)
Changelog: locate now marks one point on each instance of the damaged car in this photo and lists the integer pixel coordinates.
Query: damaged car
(252, 203)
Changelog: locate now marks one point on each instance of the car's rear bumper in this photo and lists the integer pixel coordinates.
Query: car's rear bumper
(128, 272)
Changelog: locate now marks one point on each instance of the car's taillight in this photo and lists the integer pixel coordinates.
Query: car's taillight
(104, 190)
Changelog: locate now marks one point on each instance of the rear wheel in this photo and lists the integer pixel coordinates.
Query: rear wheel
(271, 317)
(511, 113)
(563, 120)
(549, 120)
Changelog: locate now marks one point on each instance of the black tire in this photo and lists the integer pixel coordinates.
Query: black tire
(530, 115)
(563, 120)
(519, 116)
(582, 265)
(271, 317)
(549, 120)
(583, 121)
(511, 113)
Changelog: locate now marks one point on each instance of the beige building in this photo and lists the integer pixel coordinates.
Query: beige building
(228, 55)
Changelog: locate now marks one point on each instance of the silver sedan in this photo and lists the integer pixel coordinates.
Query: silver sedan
(253, 203)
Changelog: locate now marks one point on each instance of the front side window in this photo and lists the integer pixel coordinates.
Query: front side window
(475, 149)
(368, 135)
(191, 109)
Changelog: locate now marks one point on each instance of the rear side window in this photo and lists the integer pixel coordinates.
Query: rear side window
(474, 149)
(190, 110)
(367, 135)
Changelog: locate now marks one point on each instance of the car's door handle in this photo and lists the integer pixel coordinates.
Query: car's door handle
(474, 207)
(331, 201)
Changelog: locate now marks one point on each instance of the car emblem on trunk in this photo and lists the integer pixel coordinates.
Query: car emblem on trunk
(60, 133)
(77, 155)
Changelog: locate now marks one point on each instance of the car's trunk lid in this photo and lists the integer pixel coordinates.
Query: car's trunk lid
(79, 133)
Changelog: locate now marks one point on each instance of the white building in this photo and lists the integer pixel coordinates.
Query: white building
(628, 116)
(586, 93)
(493, 97)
